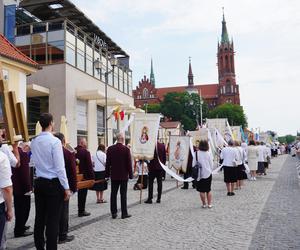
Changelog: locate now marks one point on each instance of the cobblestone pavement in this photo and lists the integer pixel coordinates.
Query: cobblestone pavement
(178, 222)
(279, 224)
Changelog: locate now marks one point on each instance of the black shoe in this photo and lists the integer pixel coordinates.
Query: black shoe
(85, 213)
(66, 239)
(148, 201)
(126, 216)
(228, 193)
(114, 216)
(158, 201)
(26, 228)
(184, 187)
(25, 234)
(232, 193)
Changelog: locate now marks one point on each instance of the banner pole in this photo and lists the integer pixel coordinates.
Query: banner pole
(142, 182)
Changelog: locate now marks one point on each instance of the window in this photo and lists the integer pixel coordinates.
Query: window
(89, 60)
(226, 64)
(81, 115)
(80, 55)
(116, 78)
(100, 121)
(121, 80)
(9, 22)
(145, 93)
(56, 52)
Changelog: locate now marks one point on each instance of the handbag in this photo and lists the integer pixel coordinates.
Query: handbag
(196, 168)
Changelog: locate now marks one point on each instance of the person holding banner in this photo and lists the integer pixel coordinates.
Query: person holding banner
(119, 169)
(203, 183)
(85, 168)
(229, 156)
(156, 171)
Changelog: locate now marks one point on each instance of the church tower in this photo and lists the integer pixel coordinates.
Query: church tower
(228, 89)
(190, 75)
(152, 78)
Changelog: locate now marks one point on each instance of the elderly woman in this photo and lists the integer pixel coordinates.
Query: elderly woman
(99, 160)
(252, 159)
(203, 184)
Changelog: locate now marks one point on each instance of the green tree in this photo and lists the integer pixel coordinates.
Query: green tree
(152, 108)
(234, 113)
(287, 139)
(184, 107)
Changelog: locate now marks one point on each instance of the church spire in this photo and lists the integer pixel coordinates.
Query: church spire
(224, 37)
(152, 78)
(190, 75)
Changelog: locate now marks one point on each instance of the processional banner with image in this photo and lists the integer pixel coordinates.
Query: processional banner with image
(144, 135)
(179, 148)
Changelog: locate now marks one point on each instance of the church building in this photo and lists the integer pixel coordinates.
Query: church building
(226, 91)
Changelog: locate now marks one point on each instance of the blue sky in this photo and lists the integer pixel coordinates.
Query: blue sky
(266, 38)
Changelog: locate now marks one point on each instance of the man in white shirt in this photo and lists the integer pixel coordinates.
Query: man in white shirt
(6, 213)
(51, 186)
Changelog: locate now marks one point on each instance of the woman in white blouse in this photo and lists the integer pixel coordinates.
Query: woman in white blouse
(252, 159)
(203, 183)
(99, 160)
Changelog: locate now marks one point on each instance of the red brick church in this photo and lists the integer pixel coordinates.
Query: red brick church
(226, 91)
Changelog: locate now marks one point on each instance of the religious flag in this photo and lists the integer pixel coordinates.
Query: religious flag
(119, 113)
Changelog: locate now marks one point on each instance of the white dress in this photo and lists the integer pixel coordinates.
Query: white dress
(252, 157)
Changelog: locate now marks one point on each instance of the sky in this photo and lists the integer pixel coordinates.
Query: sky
(266, 37)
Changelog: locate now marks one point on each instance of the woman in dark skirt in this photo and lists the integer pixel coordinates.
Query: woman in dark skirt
(203, 183)
(241, 174)
(229, 155)
(99, 160)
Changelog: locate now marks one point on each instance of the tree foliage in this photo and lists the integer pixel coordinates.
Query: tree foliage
(152, 108)
(184, 107)
(287, 139)
(234, 113)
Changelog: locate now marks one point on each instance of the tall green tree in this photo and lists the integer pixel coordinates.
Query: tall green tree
(152, 108)
(234, 113)
(184, 107)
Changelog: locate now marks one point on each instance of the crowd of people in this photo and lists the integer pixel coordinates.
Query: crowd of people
(47, 168)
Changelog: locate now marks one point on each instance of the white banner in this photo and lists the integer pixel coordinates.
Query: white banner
(144, 135)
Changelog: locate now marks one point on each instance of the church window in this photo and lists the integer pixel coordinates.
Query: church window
(145, 93)
(226, 64)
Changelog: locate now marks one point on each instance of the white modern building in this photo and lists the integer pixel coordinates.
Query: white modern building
(84, 73)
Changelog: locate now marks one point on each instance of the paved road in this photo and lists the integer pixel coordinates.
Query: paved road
(179, 222)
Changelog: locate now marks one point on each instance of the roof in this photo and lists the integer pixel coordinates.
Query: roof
(47, 10)
(169, 124)
(8, 50)
(207, 90)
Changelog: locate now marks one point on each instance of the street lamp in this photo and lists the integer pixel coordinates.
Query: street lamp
(201, 103)
(98, 66)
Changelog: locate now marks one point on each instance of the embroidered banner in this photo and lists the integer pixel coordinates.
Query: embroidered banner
(179, 152)
(144, 135)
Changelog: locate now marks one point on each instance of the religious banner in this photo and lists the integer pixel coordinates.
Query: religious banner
(179, 152)
(264, 137)
(236, 132)
(219, 123)
(196, 137)
(144, 135)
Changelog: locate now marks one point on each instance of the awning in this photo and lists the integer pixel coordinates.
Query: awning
(90, 95)
(138, 110)
(128, 107)
(110, 102)
(34, 90)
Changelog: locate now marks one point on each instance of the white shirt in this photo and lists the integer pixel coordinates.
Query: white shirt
(206, 160)
(262, 153)
(241, 153)
(99, 160)
(229, 156)
(48, 158)
(11, 157)
(5, 174)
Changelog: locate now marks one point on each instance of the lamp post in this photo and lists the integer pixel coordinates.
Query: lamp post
(98, 66)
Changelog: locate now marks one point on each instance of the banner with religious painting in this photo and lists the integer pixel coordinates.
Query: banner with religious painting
(144, 135)
(179, 148)
(195, 137)
(236, 132)
(219, 123)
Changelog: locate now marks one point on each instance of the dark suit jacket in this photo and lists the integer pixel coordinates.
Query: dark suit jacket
(85, 163)
(118, 162)
(70, 165)
(154, 164)
(21, 175)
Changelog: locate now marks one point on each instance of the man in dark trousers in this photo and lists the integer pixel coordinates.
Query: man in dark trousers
(156, 171)
(85, 168)
(118, 168)
(21, 191)
(51, 186)
(70, 165)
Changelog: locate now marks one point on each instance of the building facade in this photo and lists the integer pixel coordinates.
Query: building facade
(68, 46)
(225, 91)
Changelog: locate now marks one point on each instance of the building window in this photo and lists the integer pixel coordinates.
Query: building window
(80, 55)
(89, 58)
(81, 116)
(226, 64)
(10, 22)
(100, 124)
(145, 93)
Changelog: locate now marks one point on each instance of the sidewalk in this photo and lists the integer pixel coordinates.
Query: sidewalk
(178, 222)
